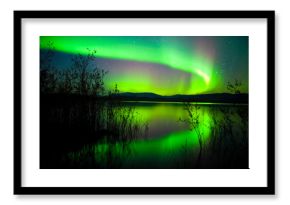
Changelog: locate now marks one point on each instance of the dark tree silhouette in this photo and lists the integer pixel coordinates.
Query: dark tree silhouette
(80, 71)
(83, 77)
(48, 79)
(234, 87)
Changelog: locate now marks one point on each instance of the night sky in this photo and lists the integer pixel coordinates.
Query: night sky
(164, 65)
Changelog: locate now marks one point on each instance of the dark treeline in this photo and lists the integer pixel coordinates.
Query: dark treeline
(83, 77)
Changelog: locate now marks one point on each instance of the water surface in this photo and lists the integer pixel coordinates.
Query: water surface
(165, 135)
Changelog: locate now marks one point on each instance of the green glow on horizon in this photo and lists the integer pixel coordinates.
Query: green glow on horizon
(169, 53)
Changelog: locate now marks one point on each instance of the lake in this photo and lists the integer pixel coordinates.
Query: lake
(144, 135)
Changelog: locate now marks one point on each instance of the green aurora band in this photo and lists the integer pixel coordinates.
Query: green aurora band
(172, 52)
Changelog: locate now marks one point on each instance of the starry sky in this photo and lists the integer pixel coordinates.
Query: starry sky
(164, 65)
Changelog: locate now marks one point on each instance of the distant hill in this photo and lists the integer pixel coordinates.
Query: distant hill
(215, 98)
(142, 95)
(147, 96)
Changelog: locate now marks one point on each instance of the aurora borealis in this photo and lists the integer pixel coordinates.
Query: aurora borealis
(165, 65)
(130, 102)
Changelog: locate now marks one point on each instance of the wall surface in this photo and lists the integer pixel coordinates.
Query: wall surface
(282, 99)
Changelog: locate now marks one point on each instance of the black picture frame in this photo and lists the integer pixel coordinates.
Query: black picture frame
(270, 18)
